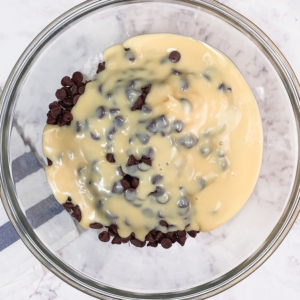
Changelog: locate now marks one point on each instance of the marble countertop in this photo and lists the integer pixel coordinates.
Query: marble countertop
(279, 277)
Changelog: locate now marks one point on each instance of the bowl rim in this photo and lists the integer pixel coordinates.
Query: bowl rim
(62, 270)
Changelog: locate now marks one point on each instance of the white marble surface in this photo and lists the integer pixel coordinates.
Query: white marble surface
(280, 275)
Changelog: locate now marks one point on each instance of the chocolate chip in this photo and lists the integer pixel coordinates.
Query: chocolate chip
(117, 188)
(192, 233)
(74, 90)
(166, 243)
(183, 202)
(110, 157)
(104, 236)
(156, 179)
(67, 116)
(49, 161)
(53, 104)
(68, 206)
(174, 56)
(163, 223)
(134, 241)
(181, 240)
(229, 89)
(77, 77)
(60, 94)
(152, 244)
(132, 161)
(120, 171)
(149, 238)
(146, 89)
(51, 120)
(125, 184)
(146, 160)
(81, 90)
(55, 112)
(100, 112)
(118, 121)
(67, 81)
(126, 49)
(101, 67)
(221, 87)
(96, 226)
(76, 213)
(94, 136)
(130, 194)
(112, 232)
(80, 84)
(126, 240)
(153, 127)
(117, 240)
(75, 99)
(159, 236)
(138, 104)
(181, 233)
(135, 182)
(67, 102)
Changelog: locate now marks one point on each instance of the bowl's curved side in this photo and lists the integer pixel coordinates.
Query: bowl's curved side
(63, 271)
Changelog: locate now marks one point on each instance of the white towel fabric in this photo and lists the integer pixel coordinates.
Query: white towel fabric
(20, 270)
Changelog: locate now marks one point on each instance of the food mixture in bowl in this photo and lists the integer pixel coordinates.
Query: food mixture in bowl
(166, 140)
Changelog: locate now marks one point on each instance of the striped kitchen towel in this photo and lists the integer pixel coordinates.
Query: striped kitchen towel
(18, 266)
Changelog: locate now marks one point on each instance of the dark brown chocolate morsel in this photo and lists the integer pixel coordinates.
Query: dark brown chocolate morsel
(77, 77)
(49, 161)
(146, 89)
(174, 56)
(101, 67)
(126, 49)
(163, 223)
(135, 182)
(138, 103)
(112, 232)
(181, 240)
(146, 160)
(166, 243)
(67, 116)
(104, 236)
(159, 236)
(96, 226)
(76, 213)
(149, 237)
(81, 90)
(55, 112)
(125, 184)
(74, 90)
(110, 157)
(53, 104)
(132, 161)
(125, 240)
(192, 233)
(116, 240)
(152, 244)
(75, 99)
(68, 102)
(67, 81)
(68, 206)
(181, 233)
(61, 94)
(134, 241)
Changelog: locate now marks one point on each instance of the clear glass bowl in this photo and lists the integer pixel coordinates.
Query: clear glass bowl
(213, 261)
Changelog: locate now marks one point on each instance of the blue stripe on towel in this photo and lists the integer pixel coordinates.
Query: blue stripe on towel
(24, 165)
(43, 211)
(36, 215)
(8, 235)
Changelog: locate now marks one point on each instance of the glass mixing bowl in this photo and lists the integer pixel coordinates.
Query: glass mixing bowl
(213, 261)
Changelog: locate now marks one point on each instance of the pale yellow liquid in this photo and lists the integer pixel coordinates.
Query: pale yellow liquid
(227, 122)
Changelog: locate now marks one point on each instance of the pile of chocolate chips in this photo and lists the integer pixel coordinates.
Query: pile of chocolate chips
(152, 239)
(60, 114)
